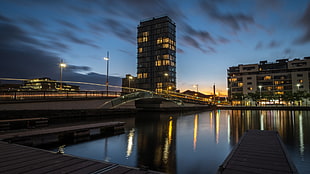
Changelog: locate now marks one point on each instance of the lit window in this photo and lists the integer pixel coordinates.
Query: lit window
(158, 63)
(165, 45)
(140, 50)
(145, 34)
(267, 77)
(139, 39)
(144, 75)
(159, 40)
(140, 76)
(233, 79)
(144, 39)
(166, 40)
(166, 56)
(279, 87)
(240, 84)
(159, 85)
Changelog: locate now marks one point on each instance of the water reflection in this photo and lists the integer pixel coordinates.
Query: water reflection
(130, 142)
(196, 142)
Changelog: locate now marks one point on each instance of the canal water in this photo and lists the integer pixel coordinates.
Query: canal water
(196, 142)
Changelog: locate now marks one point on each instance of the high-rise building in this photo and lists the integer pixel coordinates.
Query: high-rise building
(277, 78)
(156, 67)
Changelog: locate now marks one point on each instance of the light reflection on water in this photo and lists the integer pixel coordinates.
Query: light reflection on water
(196, 142)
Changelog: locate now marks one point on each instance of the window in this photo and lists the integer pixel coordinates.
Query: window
(165, 45)
(159, 40)
(140, 50)
(279, 88)
(267, 77)
(240, 84)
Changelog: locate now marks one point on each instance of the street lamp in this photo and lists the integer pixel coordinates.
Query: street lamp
(107, 79)
(260, 91)
(62, 65)
(196, 86)
(298, 85)
(129, 79)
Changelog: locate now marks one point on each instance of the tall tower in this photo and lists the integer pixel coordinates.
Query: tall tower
(156, 67)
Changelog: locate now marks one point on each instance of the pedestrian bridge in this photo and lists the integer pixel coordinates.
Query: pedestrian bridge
(154, 98)
(151, 99)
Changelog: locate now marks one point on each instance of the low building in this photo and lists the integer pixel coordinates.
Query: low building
(46, 84)
(274, 79)
(128, 84)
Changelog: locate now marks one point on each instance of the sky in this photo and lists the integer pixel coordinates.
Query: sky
(212, 35)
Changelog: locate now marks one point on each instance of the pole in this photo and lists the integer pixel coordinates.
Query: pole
(129, 84)
(60, 78)
(107, 81)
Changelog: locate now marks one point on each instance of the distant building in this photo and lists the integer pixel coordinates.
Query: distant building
(278, 78)
(46, 84)
(10, 87)
(156, 67)
(128, 83)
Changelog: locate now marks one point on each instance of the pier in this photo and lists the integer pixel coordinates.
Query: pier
(68, 134)
(22, 159)
(258, 152)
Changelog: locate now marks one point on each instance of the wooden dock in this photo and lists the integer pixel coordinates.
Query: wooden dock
(22, 159)
(68, 134)
(259, 152)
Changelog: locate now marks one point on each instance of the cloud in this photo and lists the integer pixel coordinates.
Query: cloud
(5, 19)
(22, 58)
(304, 22)
(270, 45)
(223, 40)
(192, 42)
(287, 51)
(121, 30)
(235, 21)
(180, 51)
(68, 24)
(75, 68)
(202, 35)
(273, 44)
(259, 45)
(73, 38)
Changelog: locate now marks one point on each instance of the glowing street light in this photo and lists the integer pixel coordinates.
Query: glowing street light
(107, 79)
(62, 65)
(298, 85)
(260, 91)
(129, 79)
(196, 86)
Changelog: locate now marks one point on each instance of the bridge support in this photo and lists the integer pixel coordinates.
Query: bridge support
(148, 103)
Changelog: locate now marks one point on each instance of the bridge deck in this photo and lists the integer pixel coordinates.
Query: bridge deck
(259, 152)
(21, 159)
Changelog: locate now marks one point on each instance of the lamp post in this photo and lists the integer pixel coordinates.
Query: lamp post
(129, 79)
(298, 85)
(196, 89)
(107, 79)
(62, 65)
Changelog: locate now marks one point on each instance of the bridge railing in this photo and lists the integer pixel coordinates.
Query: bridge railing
(131, 97)
(39, 95)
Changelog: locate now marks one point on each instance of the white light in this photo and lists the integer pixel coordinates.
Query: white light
(106, 58)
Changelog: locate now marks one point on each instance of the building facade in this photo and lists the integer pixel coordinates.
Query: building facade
(128, 84)
(156, 65)
(277, 78)
(46, 84)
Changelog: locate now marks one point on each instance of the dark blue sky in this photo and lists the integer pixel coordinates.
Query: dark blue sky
(212, 35)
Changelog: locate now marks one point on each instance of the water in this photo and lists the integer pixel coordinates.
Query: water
(196, 142)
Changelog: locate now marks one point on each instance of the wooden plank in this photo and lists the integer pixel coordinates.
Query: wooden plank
(22, 159)
(260, 152)
(58, 130)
